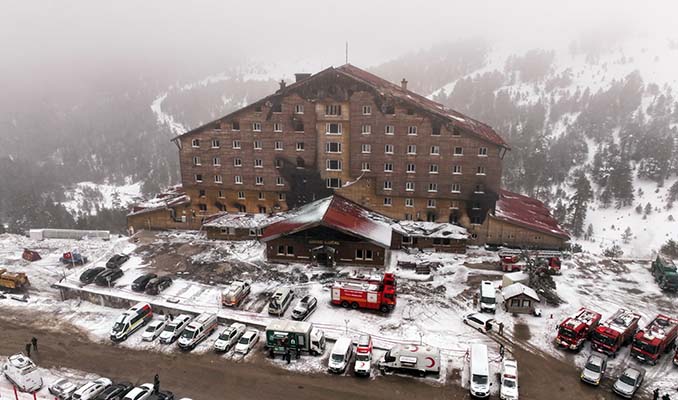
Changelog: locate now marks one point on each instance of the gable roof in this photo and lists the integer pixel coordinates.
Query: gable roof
(528, 212)
(518, 288)
(334, 212)
(384, 89)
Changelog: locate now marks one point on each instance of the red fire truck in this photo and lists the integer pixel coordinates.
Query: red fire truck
(658, 337)
(615, 332)
(514, 260)
(374, 293)
(573, 331)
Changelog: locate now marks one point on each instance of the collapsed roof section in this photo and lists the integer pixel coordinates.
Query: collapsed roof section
(530, 213)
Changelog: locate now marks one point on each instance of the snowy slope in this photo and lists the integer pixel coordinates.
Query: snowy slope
(88, 196)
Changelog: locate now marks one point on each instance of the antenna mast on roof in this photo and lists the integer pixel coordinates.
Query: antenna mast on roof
(347, 52)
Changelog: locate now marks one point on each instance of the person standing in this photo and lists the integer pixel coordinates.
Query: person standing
(28, 349)
(501, 329)
(34, 342)
(156, 384)
(655, 394)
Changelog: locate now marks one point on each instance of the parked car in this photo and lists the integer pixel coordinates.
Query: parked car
(153, 330)
(629, 382)
(116, 391)
(90, 274)
(117, 260)
(173, 329)
(340, 355)
(63, 388)
(162, 395)
(509, 380)
(157, 285)
(108, 277)
(91, 389)
(229, 337)
(247, 342)
(304, 307)
(139, 284)
(363, 356)
(594, 369)
(23, 373)
(142, 392)
(478, 321)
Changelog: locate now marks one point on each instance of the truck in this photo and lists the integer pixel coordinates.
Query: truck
(372, 292)
(235, 294)
(294, 336)
(615, 332)
(665, 273)
(13, 281)
(130, 321)
(574, 330)
(514, 260)
(22, 373)
(417, 359)
(197, 331)
(656, 338)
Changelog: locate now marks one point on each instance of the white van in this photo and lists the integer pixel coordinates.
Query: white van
(488, 297)
(130, 321)
(280, 301)
(21, 371)
(479, 376)
(412, 358)
(174, 329)
(197, 331)
(340, 355)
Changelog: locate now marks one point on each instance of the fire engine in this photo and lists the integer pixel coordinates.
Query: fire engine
(573, 331)
(513, 260)
(658, 337)
(373, 293)
(615, 332)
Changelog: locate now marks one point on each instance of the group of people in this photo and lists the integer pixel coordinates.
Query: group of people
(655, 395)
(33, 344)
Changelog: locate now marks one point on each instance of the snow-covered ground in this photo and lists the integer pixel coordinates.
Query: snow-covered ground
(88, 196)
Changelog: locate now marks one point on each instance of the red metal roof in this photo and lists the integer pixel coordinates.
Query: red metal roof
(528, 212)
(333, 212)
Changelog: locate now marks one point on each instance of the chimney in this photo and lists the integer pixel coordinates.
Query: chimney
(300, 76)
(403, 84)
(282, 84)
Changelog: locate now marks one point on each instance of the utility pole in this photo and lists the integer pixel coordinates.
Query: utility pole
(347, 52)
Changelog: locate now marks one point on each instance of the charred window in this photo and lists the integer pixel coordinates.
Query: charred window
(277, 108)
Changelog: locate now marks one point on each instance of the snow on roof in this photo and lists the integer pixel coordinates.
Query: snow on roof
(518, 289)
(243, 220)
(334, 212)
(172, 197)
(660, 327)
(621, 320)
(430, 230)
(518, 276)
(528, 212)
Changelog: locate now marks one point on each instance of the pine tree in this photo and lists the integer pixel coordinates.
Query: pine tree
(627, 235)
(648, 209)
(639, 209)
(579, 203)
(589, 232)
(621, 182)
(560, 212)
(670, 248)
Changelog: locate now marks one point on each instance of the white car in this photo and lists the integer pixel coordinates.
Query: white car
(478, 321)
(229, 337)
(90, 390)
(509, 380)
(247, 341)
(23, 373)
(174, 328)
(62, 388)
(153, 330)
(140, 393)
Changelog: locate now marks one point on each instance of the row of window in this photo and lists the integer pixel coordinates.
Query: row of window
(238, 180)
(241, 195)
(366, 166)
(366, 148)
(360, 254)
(430, 203)
(433, 187)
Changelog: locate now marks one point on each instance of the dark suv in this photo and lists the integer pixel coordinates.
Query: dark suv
(117, 260)
(157, 285)
(108, 277)
(88, 276)
(115, 392)
(139, 284)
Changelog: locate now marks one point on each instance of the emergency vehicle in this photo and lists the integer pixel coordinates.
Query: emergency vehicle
(574, 330)
(615, 332)
(197, 331)
(363, 356)
(373, 293)
(656, 338)
(23, 373)
(235, 294)
(130, 321)
(420, 360)
(514, 260)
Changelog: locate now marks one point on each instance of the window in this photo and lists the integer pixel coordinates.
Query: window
(389, 129)
(237, 162)
(259, 180)
(409, 202)
(388, 185)
(195, 143)
(454, 205)
(367, 110)
(279, 181)
(202, 207)
(365, 166)
(261, 196)
(277, 108)
(290, 250)
(281, 196)
(215, 143)
(298, 126)
(431, 203)
(389, 109)
(388, 167)
(256, 126)
(388, 149)
(476, 220)
(220, 194)
(278, 145)
(299, 109)
(435, 150)
(278, 163)
(333, 147)
(333, 129)
(241, 195)
(277, 127)
(333, 183)
(216, 161)
(196, 161)
(366, 148)
(258, 145)
(359, 254)
(456, 131)
(366, 129)
(300, 162)
(408, 217)
(411, 168)
(368, 255)
(456, 188)
(333, 165)
(432, 187)
(475, 205)
(411, 130)
(218, 179)
(198, 178)
(300, 146)
(388, 202)
(257, 108)
(281, 250)
(236, 144)
(411, 149)
(333, 109)
(409, 186)
(201, 193)
(238, 179)
(435, 130)
(482, 152)
(407, 239)
(258, 163)
(479, 189)
(433, 169)
(458, 151)
(456, 169)
(480, 171)
(235, 125)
